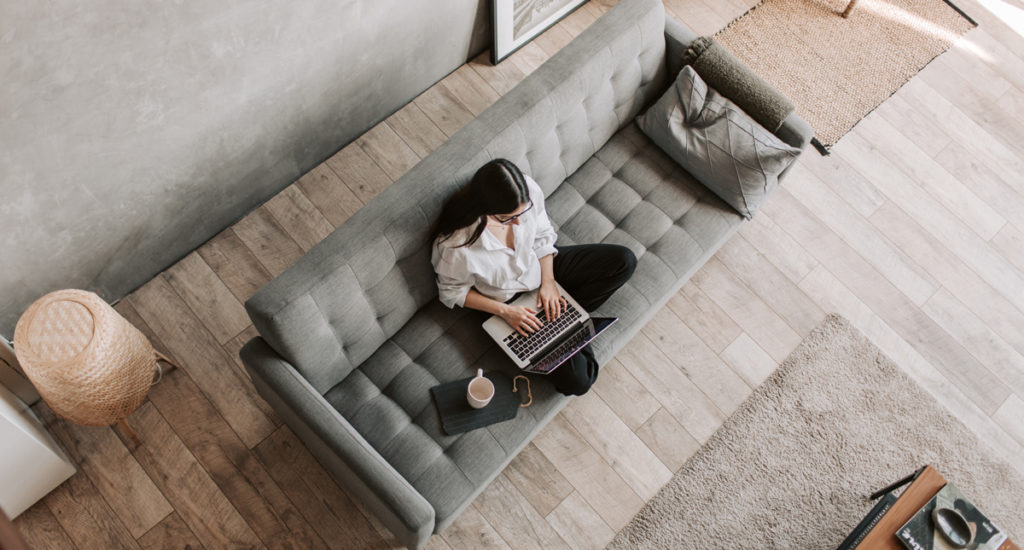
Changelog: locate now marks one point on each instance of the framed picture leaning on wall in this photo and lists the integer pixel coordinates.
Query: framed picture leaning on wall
(516, 22)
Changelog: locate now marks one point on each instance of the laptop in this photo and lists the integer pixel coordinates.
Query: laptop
(555, 342)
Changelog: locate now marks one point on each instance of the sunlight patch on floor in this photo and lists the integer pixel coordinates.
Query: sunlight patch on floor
(1012, 15)
(915, 22)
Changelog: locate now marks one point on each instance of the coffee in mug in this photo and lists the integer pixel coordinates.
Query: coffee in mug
(480, 390)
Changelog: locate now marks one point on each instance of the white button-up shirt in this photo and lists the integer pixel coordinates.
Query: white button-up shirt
(489, 266)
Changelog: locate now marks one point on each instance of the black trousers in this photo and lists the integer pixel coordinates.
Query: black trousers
(590, 273)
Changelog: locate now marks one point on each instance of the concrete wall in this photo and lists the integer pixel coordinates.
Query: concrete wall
(131, 131)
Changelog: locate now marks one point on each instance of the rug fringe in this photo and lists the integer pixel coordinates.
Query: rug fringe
(744, 14)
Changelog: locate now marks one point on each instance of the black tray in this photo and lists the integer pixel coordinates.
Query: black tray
(458, 417)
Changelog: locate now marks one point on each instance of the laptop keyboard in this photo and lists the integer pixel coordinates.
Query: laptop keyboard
(525, 346)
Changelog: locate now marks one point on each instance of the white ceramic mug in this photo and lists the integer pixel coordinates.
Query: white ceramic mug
(480, 390)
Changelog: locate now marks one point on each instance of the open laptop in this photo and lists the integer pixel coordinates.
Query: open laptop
(555, 342)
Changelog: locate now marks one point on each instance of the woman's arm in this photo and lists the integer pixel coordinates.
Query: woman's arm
(453, 277)
(523, 319)
(548, 297)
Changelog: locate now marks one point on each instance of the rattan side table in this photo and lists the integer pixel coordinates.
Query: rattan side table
(88, 363)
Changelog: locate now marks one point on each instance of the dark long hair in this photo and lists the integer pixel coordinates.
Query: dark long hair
(498, 187)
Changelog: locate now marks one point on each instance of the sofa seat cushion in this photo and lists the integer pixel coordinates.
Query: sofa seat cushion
(387, 399)
(631, 193)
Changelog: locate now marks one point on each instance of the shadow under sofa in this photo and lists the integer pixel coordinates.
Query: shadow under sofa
(352, 336)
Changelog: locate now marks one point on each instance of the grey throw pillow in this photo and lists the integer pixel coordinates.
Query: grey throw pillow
(716, 142)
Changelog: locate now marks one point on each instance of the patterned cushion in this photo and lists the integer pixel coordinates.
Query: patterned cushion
(717, 142)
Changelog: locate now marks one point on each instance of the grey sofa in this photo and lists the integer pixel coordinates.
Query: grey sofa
(352, 336)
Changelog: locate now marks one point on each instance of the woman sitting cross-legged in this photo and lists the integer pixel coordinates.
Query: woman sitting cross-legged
(494, 241)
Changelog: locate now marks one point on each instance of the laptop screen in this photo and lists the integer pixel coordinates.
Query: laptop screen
(572, 345)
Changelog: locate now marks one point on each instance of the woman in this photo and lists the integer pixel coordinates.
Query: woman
(494, 240)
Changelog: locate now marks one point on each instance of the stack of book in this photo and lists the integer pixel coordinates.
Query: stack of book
(905, 522)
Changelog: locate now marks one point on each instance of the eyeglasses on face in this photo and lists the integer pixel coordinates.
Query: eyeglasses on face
(505, 221)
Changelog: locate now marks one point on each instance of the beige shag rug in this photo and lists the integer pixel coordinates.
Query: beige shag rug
(791, 468)
(838, 70)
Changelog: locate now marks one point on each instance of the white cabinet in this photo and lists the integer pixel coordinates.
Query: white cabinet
(11, 375)
(31, 463)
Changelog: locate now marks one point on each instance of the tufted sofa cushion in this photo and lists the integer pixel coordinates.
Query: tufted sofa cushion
(386, 400)
(563, 117)
(629, 193)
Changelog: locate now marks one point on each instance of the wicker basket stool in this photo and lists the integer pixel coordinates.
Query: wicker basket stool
(89, 364)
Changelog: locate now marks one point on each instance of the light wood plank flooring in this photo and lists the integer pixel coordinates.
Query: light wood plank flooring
(913, 229)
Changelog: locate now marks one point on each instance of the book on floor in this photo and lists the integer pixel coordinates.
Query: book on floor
(920, 533)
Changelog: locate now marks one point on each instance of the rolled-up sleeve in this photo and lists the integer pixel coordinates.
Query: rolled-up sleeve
(544, 240)
(453, 277)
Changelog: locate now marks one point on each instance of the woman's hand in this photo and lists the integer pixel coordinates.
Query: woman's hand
(521, 318)
(549, 299)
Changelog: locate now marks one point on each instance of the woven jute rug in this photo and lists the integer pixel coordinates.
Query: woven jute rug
(837, 70)
(792, 467)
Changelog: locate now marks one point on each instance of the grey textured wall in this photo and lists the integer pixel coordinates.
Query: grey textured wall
(131, 131)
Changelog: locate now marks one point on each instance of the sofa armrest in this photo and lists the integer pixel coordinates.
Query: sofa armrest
(677, 38)
(795, 131)
(339, 447)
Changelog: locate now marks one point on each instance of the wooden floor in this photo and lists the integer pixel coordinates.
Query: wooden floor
(913, 229)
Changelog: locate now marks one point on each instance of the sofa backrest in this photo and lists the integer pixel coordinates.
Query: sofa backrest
(355, 289)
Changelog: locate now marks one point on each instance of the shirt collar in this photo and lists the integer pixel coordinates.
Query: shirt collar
(489, 241)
